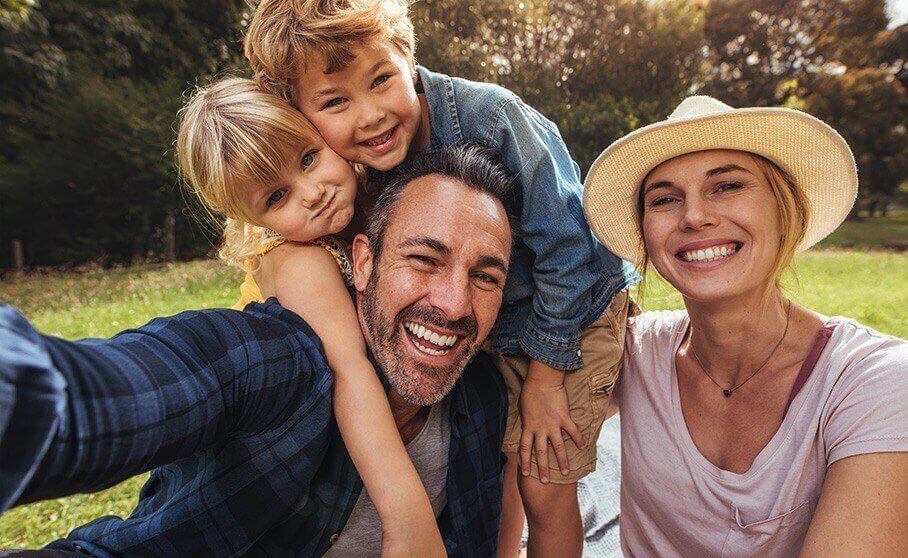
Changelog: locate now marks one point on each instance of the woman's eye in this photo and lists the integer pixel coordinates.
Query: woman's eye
(275, 197)
(661, 201)
(728, 186)
(307, 160)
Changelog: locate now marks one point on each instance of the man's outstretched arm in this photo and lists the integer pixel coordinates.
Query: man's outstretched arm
(80, 416)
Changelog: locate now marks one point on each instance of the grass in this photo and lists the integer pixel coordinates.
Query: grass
(871, 232)
(871, 287)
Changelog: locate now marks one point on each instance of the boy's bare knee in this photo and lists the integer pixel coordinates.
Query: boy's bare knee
(547, 500)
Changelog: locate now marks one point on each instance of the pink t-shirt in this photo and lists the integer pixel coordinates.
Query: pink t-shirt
(674, 502)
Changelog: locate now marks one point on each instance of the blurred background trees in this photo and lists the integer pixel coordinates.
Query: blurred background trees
(90, 92)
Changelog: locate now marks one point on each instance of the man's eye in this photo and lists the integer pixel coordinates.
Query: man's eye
(333, 102)
(381, 79)
(307, 160)
(423, 261)
(486, 278)
(275, 197)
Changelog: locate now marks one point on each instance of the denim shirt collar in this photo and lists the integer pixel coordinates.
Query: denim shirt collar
(444, 125)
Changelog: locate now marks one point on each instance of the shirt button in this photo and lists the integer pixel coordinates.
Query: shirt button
(334, 538)
(578, 352)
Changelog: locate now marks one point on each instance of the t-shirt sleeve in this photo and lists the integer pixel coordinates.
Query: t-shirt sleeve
(869, 404)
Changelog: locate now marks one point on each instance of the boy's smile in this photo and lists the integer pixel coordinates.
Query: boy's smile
(368, 112)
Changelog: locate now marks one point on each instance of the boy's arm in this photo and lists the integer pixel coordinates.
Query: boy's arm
(307, 281)
(552, 225)
(80, 416)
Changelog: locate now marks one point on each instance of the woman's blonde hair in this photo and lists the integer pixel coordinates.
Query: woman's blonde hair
(233, 132)
(284, 35)
(792, 211)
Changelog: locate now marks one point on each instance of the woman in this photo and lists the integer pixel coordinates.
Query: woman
(751, 426)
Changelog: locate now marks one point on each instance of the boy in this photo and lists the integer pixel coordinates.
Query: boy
(349, 66)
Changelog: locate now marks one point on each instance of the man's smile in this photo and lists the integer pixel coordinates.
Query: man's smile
(430, 341)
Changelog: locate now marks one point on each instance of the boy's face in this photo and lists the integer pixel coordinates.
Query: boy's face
(368, 112)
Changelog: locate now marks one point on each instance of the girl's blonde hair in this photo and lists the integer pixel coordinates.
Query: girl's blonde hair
(792, 210)
(233, 132)
(284, 35)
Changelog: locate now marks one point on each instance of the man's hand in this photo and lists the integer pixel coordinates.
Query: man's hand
(544, 413)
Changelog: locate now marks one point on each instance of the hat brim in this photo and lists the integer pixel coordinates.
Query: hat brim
(814, 154)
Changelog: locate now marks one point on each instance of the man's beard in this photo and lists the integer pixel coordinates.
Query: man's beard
(416, 382)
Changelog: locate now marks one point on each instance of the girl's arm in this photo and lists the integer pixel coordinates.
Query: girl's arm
(307, 281)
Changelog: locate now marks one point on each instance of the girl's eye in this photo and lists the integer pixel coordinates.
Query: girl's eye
(307, 160)
(275, 197)
(381, 79)
(333, 102)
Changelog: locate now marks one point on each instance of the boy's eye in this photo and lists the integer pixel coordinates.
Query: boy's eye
(333, 102)
(307, 160)
(381, 79)
(275, 197)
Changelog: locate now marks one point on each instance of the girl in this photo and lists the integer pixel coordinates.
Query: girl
(750, 425)
(250, 157)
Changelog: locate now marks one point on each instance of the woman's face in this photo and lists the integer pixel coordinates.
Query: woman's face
(710, 224)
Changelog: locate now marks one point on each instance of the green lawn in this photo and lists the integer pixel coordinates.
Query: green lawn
(871, 287)
(875, 232)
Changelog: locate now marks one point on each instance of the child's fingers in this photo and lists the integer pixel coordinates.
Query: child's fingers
(560, 452)
(526, 447)
(542, 458)
(573, 431)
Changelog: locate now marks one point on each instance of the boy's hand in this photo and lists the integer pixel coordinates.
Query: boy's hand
(544, 413)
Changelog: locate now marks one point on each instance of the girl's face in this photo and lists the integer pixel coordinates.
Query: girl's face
(710, 224)
(313, 197)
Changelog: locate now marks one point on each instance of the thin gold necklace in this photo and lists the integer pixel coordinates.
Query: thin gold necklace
(728, 391)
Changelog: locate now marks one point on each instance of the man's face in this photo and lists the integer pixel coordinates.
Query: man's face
(432, 295)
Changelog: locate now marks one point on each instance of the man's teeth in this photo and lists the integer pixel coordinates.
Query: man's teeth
(380, 139)
(709, 254)
(422, 332)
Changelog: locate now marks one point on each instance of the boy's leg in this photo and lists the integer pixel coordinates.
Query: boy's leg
(512, 514)
(553, 515)
(552, 510)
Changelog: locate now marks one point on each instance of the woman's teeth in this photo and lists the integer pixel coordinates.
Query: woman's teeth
(709, 254)
(433, 337)
(380, 139)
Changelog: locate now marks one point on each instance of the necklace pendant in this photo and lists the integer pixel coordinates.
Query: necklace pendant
(726, 393)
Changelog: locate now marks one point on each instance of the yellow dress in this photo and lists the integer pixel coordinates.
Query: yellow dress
(250, 291)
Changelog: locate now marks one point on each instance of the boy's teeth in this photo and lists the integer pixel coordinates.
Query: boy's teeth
(381, 139)
(433, 337)
(709, 254)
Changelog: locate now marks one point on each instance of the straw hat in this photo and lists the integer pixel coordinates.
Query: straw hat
(814, 154)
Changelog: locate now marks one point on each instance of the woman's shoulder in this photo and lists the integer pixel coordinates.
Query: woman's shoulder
(658, 324)
(857, 346)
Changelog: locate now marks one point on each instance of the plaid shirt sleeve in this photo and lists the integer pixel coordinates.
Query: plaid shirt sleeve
(79, 416)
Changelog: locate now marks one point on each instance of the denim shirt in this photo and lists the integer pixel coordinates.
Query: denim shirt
(561, 278)
(233, 410)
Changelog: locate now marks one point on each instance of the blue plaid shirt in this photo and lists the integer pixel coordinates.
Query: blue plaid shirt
(233, 412)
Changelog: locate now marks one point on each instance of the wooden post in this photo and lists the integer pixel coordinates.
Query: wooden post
(18, 257)
(170, 226)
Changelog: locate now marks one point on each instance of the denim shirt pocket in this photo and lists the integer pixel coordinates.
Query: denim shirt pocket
(779, 535)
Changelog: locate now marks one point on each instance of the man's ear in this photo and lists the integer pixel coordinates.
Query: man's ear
(362, 262)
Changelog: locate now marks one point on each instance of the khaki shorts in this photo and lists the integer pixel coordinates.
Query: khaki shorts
(588, 390)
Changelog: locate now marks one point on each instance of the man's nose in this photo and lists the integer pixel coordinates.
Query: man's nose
(698, 214)
(452, 296)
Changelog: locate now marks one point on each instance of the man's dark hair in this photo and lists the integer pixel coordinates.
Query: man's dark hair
(475, 166)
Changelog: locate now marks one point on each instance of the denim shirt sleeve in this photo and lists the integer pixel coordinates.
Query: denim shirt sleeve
(553, 227)
(82, 415)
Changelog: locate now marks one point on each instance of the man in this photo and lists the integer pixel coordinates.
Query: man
(233, 409)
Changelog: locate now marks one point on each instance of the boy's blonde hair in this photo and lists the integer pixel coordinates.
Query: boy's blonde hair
(233, 132)
(284, 35)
